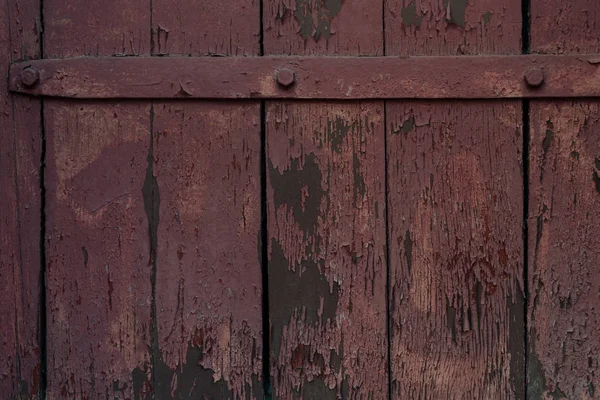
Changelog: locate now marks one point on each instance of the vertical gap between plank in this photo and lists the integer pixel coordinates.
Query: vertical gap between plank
(264, 256)
(43, 338)
(388, 314)
(526, 49)
(387, 256)
(266, 337)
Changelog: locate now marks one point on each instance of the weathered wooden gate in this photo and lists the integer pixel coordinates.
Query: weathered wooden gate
(199, 201)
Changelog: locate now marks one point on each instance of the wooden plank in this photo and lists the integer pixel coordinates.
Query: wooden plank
(20, 207)
(564, 212)
(452, 27)
(456, 250)
(444, 77)
(327, 265)
(455, 215)
(207, 166)
(564, 27)
(207, 28)
(337, 27)
(326, 213)
(208, 283)
(99, 256)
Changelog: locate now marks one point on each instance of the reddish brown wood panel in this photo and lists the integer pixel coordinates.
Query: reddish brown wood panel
(326, 215)
(451, 27)
(308, 27)
(327, 269)
(456, 250)
(206, 28)
(74, 28)
(564, 212)
(455, 215)
(208, 280)
(565, 26)
(564, 215)
(99, 255)
(20, 155)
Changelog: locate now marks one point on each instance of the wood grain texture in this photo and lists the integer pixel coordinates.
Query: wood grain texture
(208, 283)
(327, 270)
(20, 207)
(98, 272)
(335, 27)
(452, 27)
(455, 215)
(75, 28)
(565, 26)
(456, 250)
(564, 215)
(326, 215)
(99, 258)
(206, 28)
(564, 209)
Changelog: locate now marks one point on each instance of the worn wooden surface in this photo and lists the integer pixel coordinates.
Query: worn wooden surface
(20, 207)
(206, 28)
(207, 167)
(326, 215)
(99, 255)
(564, 213)
(456, 258)
(208, 281)
(559, 27)
(336, 27)
(450, 27)
(455, 215)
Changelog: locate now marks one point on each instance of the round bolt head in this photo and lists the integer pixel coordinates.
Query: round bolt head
(286, 77)
(534, 77)
(30, 76)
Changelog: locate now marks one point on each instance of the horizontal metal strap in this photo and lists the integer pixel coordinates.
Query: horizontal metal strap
(462, 77)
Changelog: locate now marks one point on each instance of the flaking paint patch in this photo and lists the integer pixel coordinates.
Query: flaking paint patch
(297, 291)
(319, 25)
(596, 176)
(410, 16)
(455, 12)
(487, 17)
(299, 188)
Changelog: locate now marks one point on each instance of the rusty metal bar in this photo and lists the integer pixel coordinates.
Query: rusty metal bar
(465, 77)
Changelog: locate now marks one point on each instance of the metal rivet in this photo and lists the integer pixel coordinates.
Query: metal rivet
(30, 76)
(286, 77)
(534, 77)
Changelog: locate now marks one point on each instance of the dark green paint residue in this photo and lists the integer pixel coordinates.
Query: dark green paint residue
(193, 381)
(548, 138)
(326, 10)
(337, 133)
(408, 250)
(360, 187)
(451, 319)
(596, 177)
(457, 9)
(317, 389)
(575, 155)
(487, 17)
(536, 387)
(410, 16)
(516, 342)
(406, 127)
(287, 189)
(291, 291)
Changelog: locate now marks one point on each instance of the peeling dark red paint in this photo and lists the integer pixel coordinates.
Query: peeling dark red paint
(326, 283)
